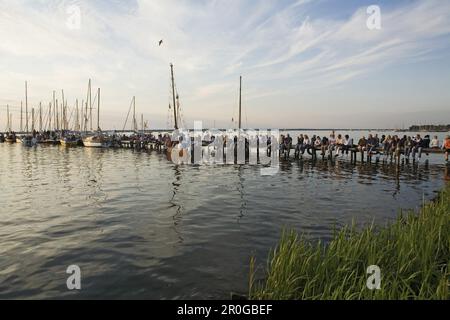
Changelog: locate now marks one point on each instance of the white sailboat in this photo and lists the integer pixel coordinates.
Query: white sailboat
(98, 139)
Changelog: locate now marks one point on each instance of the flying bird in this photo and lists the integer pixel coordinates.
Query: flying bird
(160, 42)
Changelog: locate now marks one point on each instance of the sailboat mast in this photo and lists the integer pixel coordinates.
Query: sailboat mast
(40, 116)
(32, 120)
(77, 121)
(240, 102)
(8, 126)
(21, 116)
(173, 96)
(26, 105)
(98, 110)
(134, 115)
(54, 110)
(49, 117)
(90, 102)
(63, 113)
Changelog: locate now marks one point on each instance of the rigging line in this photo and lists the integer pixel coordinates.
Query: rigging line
(128, 114)
(70, 116)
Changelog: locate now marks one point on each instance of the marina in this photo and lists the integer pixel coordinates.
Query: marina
(225, 150)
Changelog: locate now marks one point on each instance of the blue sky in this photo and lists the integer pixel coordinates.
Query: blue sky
(305, 63)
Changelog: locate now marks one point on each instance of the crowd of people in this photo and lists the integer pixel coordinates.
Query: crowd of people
(338, 144)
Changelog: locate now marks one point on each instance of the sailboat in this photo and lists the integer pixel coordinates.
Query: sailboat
(27, 140)
(10, 136)
(98, 140)
(169, 144)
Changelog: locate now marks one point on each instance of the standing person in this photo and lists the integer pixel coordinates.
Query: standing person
(435, 143)
(446, 147)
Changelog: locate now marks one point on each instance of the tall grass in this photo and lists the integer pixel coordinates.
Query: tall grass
(413, 254)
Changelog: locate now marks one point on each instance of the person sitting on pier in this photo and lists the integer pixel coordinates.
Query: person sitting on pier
(377, 139)
(372, 144)
(426, 142)
(318, 142)
(306, 144)
(281, 146)
(288, 145)
(331, 144)
(446, 147)
(362, 144)
(417, 147)
(299, 145)
(396, 146)
(339, 144)
(434, 144)
(324, 145)
(407, 147)
(348, 144)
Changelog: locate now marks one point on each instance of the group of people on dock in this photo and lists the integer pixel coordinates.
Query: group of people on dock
(338, 145)
(335, 145)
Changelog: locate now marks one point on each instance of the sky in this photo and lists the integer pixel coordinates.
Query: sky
(304, 63)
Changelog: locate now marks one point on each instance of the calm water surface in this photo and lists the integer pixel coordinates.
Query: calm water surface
(141, 227)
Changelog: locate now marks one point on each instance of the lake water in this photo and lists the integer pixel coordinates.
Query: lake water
(139, 226)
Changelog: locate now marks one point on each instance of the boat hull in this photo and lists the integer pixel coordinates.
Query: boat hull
(96, 142)
(68, 144)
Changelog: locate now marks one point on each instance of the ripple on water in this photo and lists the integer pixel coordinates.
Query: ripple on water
(141, 227)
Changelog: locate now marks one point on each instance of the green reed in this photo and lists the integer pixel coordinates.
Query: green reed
(413, 254)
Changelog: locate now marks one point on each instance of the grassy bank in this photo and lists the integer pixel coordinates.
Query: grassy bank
(413, 254)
